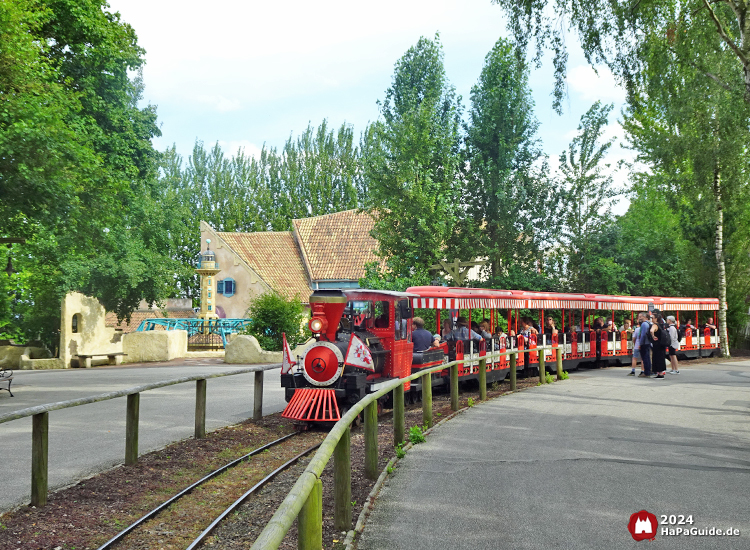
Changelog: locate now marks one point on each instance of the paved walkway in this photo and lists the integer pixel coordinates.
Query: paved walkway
(91, 438)
(565, 465)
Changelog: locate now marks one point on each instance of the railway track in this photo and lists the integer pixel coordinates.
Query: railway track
(133, 528)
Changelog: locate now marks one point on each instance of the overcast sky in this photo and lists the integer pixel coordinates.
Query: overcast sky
(244, 73)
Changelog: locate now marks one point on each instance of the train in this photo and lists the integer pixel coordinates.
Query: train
(362, 340)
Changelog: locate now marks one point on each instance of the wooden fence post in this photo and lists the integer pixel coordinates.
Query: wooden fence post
(559, 364)
(542, 369)
(513, 359)
(39, 452)
(454, 387)
(200, 409)
(483, 379)
(342, 483)
(258, 397)
(371, 440)
(131, 429)
(398, 415)
(427, 400)
(310, 520)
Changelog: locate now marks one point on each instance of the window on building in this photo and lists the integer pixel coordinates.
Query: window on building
(209, 293)
(209, 308)
(76, 323)
(228, 287)
(225, 287)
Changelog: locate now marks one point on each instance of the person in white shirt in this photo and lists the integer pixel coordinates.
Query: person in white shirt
(674, 344)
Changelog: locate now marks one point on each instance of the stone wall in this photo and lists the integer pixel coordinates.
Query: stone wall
(154, 345)
(245, 349)
(11, 354)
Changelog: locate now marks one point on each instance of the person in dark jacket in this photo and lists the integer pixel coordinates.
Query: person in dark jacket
(421, 337)
(659, 357)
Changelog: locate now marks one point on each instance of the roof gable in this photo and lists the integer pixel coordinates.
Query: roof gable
(336, 246)
(275, 257)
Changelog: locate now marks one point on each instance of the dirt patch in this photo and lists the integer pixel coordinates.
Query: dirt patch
(93, 511)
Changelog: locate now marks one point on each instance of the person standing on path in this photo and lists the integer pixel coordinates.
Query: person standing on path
(674, 345)
(636, 349)
(644, 345)
(659, 343)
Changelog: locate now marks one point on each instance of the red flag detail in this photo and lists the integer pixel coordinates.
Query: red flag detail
(358, 355)
(287, 362)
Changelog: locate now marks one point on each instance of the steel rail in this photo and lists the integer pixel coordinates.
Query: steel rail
(207, 531)
(189, 489)
(31, 411)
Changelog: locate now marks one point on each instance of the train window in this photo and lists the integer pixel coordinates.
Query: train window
(381, 314)
(403, 314)
(397, 327)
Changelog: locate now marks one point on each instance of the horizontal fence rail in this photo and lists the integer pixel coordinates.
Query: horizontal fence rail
(305, 489)
(40, 419)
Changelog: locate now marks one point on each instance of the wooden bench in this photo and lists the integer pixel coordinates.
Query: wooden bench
(6, 376)
(84, 360)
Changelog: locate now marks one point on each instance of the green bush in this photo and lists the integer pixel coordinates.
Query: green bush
(271, 315)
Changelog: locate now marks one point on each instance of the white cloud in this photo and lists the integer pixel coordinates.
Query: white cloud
(232, 147)
(219, 103)
(590, 86)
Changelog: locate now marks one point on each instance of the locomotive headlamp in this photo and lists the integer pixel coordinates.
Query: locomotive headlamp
(318, 325)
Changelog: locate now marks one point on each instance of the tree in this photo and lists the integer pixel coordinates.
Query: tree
(694, 134)
(78, 166)
(508, 203)
(613, 31)
(411, 161)
(317, 172)
(589, 195)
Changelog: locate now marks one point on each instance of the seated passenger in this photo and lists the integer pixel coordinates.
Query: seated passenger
(463, 332)
(435, 340)
(628, 326)
(421, 337)
(447, 328)
(476, 328)
(527, 327)
(549, 328)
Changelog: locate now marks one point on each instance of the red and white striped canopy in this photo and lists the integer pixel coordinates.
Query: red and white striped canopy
(438, 297)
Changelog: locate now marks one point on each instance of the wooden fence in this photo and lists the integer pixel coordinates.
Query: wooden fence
(40, 420)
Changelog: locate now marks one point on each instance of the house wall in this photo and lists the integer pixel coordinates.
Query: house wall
(248, 284)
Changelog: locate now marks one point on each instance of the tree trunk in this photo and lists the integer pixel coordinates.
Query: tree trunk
(720, 263)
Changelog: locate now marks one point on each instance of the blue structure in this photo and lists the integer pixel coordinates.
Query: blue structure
(221, 327)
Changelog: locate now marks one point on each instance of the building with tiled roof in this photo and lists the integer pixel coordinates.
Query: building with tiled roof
(327, 251)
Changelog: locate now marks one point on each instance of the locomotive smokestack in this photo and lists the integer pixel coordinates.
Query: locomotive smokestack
(327, 307)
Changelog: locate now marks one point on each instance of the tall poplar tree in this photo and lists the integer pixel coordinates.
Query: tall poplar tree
(509, 204)
(412, 161)
(589, 195)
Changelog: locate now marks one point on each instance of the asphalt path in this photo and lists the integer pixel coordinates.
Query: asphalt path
(91, 438)
(565, 466)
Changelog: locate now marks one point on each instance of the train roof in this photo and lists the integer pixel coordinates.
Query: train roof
(367, 294)
(439, 297)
